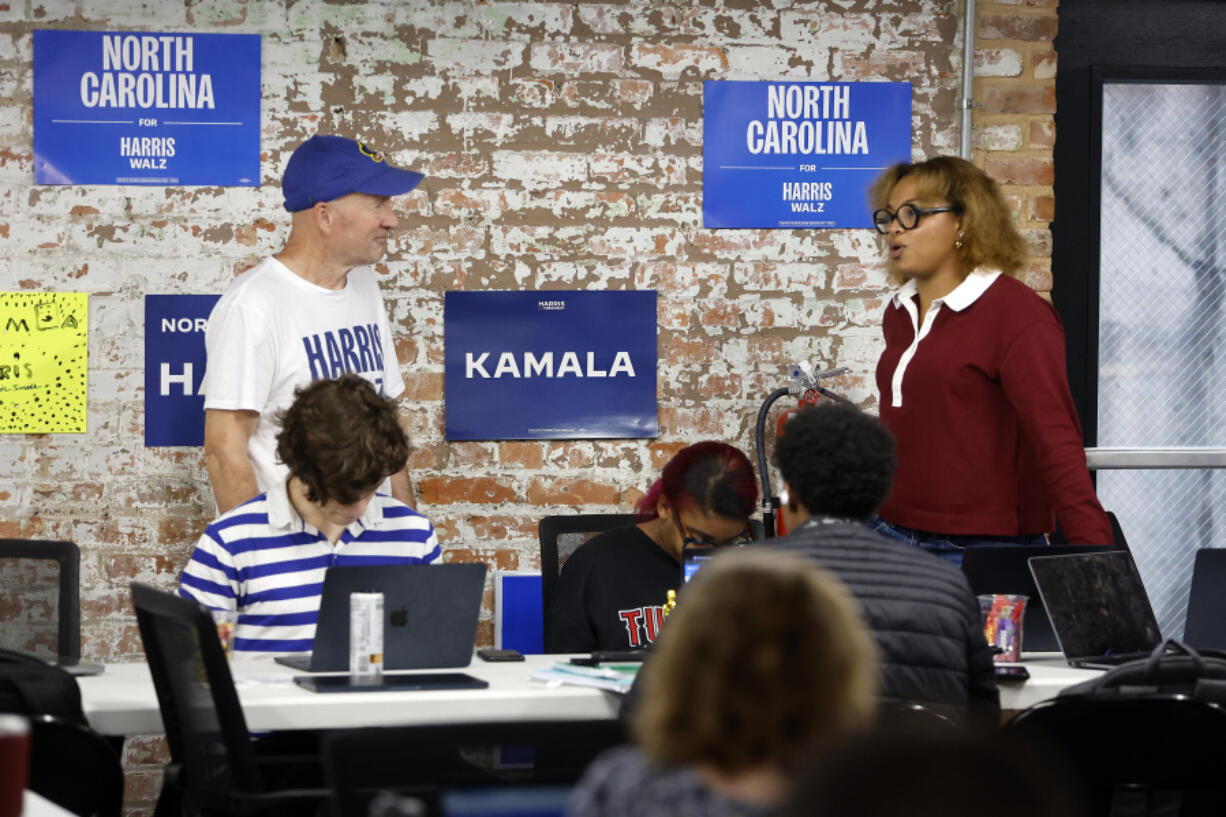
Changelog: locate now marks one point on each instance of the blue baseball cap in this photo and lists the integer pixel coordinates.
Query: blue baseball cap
(324, 168)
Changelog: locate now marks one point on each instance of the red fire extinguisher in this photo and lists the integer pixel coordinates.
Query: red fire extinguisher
(802, 383)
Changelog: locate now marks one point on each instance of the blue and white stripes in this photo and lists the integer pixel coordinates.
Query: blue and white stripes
(263, 560)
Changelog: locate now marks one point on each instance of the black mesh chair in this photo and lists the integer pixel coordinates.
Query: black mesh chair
(1136, 754)
(560, 537)
(42, 577)
(215, 767)
(424, 761)
(75, 767)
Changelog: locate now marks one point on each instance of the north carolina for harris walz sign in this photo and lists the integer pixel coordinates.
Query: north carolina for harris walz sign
(146, 108)
(799, 154)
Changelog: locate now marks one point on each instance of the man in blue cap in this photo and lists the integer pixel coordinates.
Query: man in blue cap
(311, 311)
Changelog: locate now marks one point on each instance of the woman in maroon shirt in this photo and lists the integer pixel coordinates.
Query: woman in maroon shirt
(972, 379)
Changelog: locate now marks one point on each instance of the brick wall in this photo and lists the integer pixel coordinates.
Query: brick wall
(562, 146)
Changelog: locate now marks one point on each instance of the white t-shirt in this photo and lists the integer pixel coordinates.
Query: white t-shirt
(273, 332)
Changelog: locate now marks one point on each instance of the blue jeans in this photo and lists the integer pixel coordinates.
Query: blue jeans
(949, 546)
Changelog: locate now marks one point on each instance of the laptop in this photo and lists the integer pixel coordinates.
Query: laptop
(991, 570)
(1205, 626)
(429, 616)
(1098, 607)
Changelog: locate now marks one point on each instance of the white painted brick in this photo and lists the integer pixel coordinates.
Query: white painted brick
(122, 14)
(624, 18)
(481, 56)
(998, 137)
(539, 170)
(728, 25)
(672, 132)
(470, 124)
(537, 241)
(367, 16)
(522, 19)
(411, 126)
(674, 60)
(575, 58)
(778, 62)
(998, 62)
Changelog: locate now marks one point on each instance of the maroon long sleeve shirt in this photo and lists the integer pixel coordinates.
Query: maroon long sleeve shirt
(988, 438)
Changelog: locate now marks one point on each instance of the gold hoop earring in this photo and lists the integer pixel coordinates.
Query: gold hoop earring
(958, 243)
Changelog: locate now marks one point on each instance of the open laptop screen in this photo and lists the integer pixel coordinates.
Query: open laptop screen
(1097, 604)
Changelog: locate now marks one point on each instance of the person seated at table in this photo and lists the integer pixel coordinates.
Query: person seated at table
(837, 464)
(267, 557)
(763, 664)
(611, 591)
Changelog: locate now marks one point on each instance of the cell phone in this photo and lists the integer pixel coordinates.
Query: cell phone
(692, 559)
(492, 654)
(1011, 672)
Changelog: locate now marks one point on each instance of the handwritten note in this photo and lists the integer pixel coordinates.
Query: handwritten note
(44, 362)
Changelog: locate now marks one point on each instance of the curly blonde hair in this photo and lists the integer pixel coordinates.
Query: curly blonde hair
(990, 238)
(764, 660)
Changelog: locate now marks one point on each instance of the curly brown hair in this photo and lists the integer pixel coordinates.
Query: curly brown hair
(764, 660)
(341, 438)
(990, 239)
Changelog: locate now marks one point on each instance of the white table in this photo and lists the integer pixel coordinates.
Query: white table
(121, 701)
(1049, 674)
(36, 805)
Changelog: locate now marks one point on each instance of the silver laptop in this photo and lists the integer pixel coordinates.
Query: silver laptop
(1098, 607)
(429, 616)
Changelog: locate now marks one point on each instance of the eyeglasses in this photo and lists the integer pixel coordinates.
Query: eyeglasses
(908, 216)
(687, 540)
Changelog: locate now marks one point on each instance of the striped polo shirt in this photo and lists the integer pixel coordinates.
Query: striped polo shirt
(263, 560)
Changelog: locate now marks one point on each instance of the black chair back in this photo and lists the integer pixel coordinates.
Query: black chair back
(42, 576)
(205, 727)
(1140, 754)
(75, 767)
(560, 537)
(423, 761)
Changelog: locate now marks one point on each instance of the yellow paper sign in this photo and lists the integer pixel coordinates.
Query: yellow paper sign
(44, 362)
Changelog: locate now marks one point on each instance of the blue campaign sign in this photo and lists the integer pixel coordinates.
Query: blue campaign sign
(799, 154)
(174, 368)
(146, 108)
(550, 365)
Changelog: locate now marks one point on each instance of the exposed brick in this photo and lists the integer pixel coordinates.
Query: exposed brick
(493, 558)
(999, 137)
(577, 58)
(1043, 208)
(1043, 133)
(1044, 65)
(674, 60)
(521, 454)
(998, 62)
(552, 491)
(1019, 99)
(480, 490)
(1028, 27)
(1020, 170)
(501, 528)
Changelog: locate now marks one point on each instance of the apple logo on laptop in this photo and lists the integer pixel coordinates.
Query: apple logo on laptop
(399, 617)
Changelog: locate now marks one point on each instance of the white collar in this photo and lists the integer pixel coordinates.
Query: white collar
(282, 514)
(963, 295)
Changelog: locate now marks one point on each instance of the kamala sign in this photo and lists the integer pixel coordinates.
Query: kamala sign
(799, 154)
(550, 365)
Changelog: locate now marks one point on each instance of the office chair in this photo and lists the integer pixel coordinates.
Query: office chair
(1136, 754)
(75, 767)
(214, 766)
(26, 566)
(423, 762)
(560, 537)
